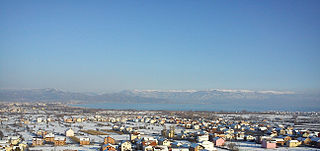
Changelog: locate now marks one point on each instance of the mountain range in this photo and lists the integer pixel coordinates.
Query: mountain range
(212, 96)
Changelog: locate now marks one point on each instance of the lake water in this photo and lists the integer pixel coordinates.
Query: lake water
(203, 107)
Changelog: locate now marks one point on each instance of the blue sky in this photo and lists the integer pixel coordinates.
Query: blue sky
(116, 45)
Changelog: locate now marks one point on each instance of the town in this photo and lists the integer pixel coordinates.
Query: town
(62, 127)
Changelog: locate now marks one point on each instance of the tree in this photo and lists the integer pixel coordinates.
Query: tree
(1, 134)
(233, 147)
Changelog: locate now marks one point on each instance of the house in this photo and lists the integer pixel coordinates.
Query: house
(249, 138)
(201, 138)
(207, 145)
(4, 144)
(239, 136)
(315, 141)
(41, 133)
(14, 140)
(176, 144)
(179, 149)
(68, 120)
(128, 129)
(293, 143)
(196, 127)
(8, 148)
(218, 141)
(125, 146)
(184, 146)
(49, 137)
(108, 147)
(196, 147)
(134, 135)
(79, 120)
(306, 134)
(109, 140)
(84, 140)
(259, 139)
(274, 133)
(282, 132)
(59, 141)
(149, 143)
(268, 144)
(262, 128)
(279, 141)
(39, 120)
(160, 148)
(19, 148)
(23, 145)
(285, 138)
(147, 148)
(164, 141)
(304, 141)
(188, 126)
(69, 132)
(228, 136)
(218, 135)
(37, 141)
(289, 131)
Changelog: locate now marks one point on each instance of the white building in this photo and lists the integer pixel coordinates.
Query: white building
(204, 137)
(39, 120)
(69, 132)
(126, 146)
(208, 145)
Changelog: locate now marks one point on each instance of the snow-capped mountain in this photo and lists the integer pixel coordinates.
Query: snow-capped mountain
(160, 96)
(212, 94)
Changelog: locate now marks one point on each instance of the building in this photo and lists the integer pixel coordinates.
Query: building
(304, 141)
(39, 120)
(208, 145)
(42, 133)
(179, 149)
(293, 143)
(69, 132)
(196, 147)
(249, 138)
(109, 140)
(59, 141)
(49, 137)
(201, 138)
(37, 141)
(108, 147)
(160, 148)
(134, 135)
(84, 140)
(125, 146)
(279, 141)
(268, 144)
(218, 141)
(168, 133)
(14, 140)
(164, 141)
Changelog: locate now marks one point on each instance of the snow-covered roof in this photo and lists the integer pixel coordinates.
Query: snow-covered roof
(49, 135)
(60, 138)
(315, 139)
(84, 139)
(36, 138)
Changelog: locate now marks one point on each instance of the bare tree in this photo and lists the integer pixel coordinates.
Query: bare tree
(233, 147)
(1, 135)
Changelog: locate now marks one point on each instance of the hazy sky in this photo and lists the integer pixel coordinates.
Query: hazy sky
(181, 44)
